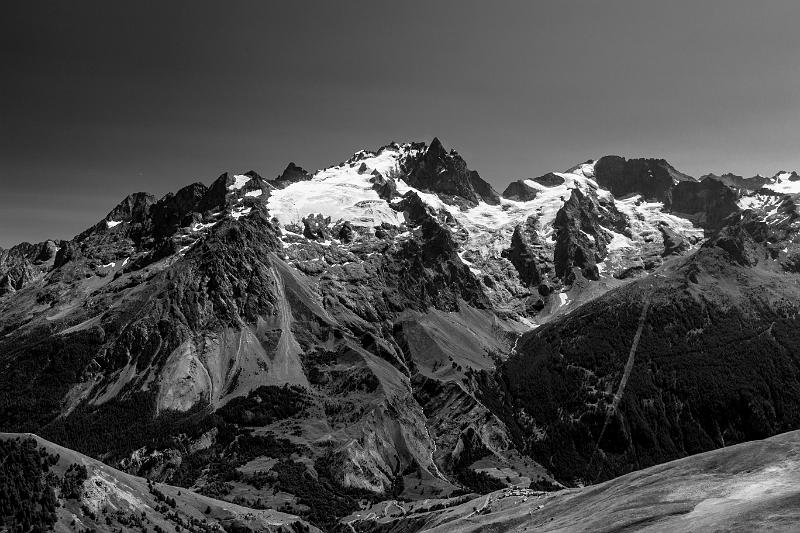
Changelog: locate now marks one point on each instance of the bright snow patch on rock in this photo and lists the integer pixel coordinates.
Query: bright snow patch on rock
(111, 223)
(760, 201)
(184, 249)
(469, 264)
(240, 212)
(200, 226)
(585, 169)
(255, 193)
(563, 299)
(239, 181)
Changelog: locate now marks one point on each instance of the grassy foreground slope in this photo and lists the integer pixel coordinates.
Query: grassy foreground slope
(754, 486)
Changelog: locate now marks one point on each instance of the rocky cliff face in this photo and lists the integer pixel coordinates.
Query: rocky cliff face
(652, 178)
(584, 228)
(528, 254)
(24, 263)
(710, 201)
(307, 342)
(437, 171)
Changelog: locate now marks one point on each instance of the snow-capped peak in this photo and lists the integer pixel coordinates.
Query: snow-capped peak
(345, 191)
(785, 183)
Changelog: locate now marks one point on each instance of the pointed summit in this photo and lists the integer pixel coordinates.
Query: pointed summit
(436, 149)
(214, 197)
(291, 174)
(134, 208)
(447, 173)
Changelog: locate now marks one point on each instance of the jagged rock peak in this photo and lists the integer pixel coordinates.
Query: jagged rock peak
(736, 181)
(436, 149)
(291, 174)
(582, 234)
(175, 209)
(522, 253)
(135, 207)
(447, 174)
(230, 189)
(652, 178)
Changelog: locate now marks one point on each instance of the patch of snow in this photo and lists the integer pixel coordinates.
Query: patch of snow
(125, 262)
(586, 169)
(468, 263)
(240, 212)
(109, 265)
(239, 181)
(185, 248)
(780, 221)
(768, 206)
(256, 193)
(563, 299)
(758, 201)
(200, 226)
(112, 223)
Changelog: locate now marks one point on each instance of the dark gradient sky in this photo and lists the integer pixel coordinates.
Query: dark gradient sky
(100, 99)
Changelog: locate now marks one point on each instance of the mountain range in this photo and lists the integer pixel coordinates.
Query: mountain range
(392, 331)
